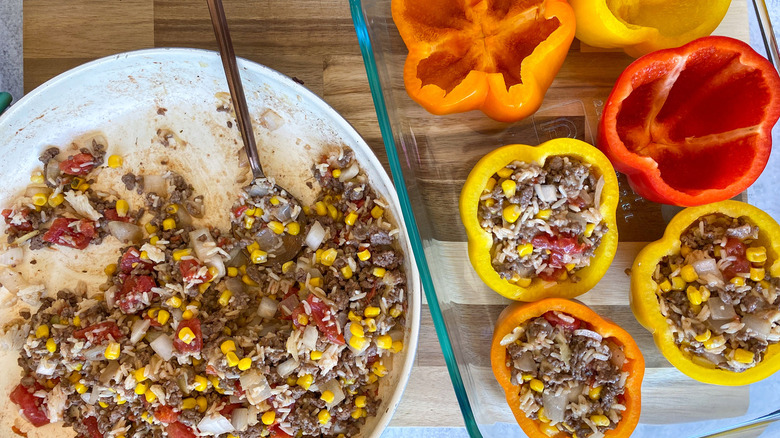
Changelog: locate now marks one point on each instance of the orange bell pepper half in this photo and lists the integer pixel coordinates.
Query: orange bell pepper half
(498, 56)
(634, 365)
(692, 125)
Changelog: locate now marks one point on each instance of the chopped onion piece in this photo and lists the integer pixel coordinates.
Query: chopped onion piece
(156, 184)
(206, 250)
(12, 256)
(271, 120)
(315, 236)
(707, 266)
(546, 192)
(310, 337)
(287, 367)
(46, 367)
(758, 325)
(139, 329)
(255, 386)
(554, 406)
(525, 362)
(125, 232)
(163, 346)
(215, 424)
(267, 308)
(333, 386)
(239, 419)
(109, 373)
(349, 173)
(599, 188)
(719, 310)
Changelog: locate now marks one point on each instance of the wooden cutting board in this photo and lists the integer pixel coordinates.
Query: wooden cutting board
(314, 41)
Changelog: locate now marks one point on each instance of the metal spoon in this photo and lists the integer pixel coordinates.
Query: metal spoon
(280, 247)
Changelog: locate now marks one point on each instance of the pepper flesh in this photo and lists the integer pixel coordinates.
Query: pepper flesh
(692, 125)
(646, 308)
(497, 56)
(480, 241)
(640, 27)
(517, 313)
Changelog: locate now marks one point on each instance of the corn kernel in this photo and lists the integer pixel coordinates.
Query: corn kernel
(324, 416)
(371, 311)
(245, 363)
(377, 212)
(346, 272)
(201, 383)
(78, 366)
(120, 400)
(122, 208)
(490, 202)
(543, 418)
(51, 345)
(384, 342)
(252, 247)
(688, 273)
(714, 342)
(525, 249)
(56, 200)
(505, 172)
(140, 374)
(37, 177)
(274, 200)
(364, 255)
(544, 214)
(232, 358)
(509, 187)
(705, 293)
(293, 228)
(316, 281)
(305, 381)
(738, 281)
(112, 351)
(259, 256)
(147, 417)
(39, 199)
(357, 342)
(276, 226)
(511, 213)
(80, 388)
(187, 315)
(756, 254)
(600, 420)
(181, 253)
(685, 250)
(694, 295)
(144, 255)
(269, 417)
(537, 385)
(351, 218)
(665, 286)
(232, 271)
(103, 404)
(202, 403)
(379, 369)
(315, 355)
(353, 317)
(77, 321)
(397, 347)
(163, 316)
(360, 401)
(327, 396)
(589, 228)
(743, 356)
(702, 337)
(370, 324)
(224, 298)
(357, 413)
(215, 383)
(140, 389)
(76, 182)
(169, 223)
(151, 229)
(227, 346)
(757, 274)
(320, 208)
(42, 331)
(356, 330)
(333, 212)
(379, 272)
(336, 173)
(115, 161)
(186, 335)
(150, 396)
(172, 209)
(174, 302)
(188, 403)
(678, 283)
(153, 240)
(328, 256)
(595, 393)
(248, 281)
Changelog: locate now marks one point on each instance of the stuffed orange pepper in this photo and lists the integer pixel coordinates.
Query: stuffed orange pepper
(566, 371)
(541, 220)
(708, 291)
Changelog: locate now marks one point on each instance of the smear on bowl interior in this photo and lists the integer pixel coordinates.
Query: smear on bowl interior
(197, 331)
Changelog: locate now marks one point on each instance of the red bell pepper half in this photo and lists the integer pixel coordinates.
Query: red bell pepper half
(692, 125)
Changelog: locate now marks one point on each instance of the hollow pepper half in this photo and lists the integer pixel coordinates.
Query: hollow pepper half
(692, 125)
(497, 56)
(644, 302)
(480, 241)
(640, 26)
(518, 313)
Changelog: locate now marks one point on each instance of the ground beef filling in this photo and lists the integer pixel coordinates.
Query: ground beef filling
(569, 376)
(544, 220)
(198, 330)
(718, 296)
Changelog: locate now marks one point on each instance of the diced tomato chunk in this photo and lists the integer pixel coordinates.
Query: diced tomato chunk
(735, 247)
(558, 245)
(130, 259)
(238, 211)
(92, 427)
(190, 269)
(129, 298)
(99, 332)
(229, 408)
(166, 414)
(31, 406)
(23, 225)
(63, 233)
(179, 430)
(196, 344)
(325, 319)
(276, 432)
(556, 321)
(112, 215)
(78, 165)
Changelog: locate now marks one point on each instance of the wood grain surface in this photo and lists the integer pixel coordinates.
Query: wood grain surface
(314, 41)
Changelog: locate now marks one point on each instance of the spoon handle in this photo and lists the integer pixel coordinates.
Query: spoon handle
(234, 84)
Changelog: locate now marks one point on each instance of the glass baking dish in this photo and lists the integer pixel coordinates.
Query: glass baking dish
(430, 157)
